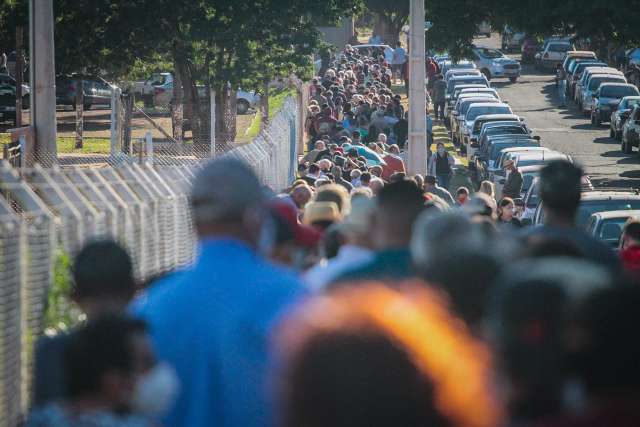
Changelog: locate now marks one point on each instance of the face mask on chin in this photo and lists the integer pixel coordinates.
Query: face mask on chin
(155, 391)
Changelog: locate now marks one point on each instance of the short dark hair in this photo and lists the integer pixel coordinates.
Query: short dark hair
(632, 230)
(462, 190)
(430, 179)
(103, 268)
(314, 168)
(102, 345)
(560, 187)
(365, 177)
(403, 199)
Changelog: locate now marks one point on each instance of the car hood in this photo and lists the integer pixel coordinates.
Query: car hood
(504, 61)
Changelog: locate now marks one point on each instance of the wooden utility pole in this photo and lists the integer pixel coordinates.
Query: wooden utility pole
(417, 92)
(18, 73)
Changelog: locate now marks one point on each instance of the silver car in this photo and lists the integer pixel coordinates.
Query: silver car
(592, 87)
(607, 98)
(493, 63)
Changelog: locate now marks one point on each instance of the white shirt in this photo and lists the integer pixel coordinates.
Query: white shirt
(349, 257)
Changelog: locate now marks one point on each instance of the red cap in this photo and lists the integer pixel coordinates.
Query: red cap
(304, 235)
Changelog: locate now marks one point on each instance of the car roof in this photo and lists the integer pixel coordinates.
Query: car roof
(507, 123)
(609, 195)
(601, 70)
(542, 154)
(531, 168)
(617, 214)
(480, 100)
(471, 86)
(467, 77)
(490, 104)
(607, 84)
(527, 149)
(582, 53)
(513, 117)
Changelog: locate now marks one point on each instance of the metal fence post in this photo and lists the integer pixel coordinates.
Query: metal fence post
(114, 125)
(149, 143)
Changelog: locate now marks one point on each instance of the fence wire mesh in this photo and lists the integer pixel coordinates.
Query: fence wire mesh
(138, 198)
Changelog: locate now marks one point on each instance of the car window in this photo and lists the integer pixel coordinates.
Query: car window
(481, 111)
(589, 207)
(611, 229)
(511, 130)
(559, 47)
(595, 82)
(489, 53)
(527, 180)
(618, 91)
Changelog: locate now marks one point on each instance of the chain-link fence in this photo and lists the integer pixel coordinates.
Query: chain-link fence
(138, 198)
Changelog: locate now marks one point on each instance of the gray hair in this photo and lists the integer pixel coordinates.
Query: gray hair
(224, 190)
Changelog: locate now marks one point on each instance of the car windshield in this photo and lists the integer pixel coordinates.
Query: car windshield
(595, 82)
(486, 110)
(504, 130)
(589, 207)
(489, 53)
(629, 104)
(532, 161)
(453, 83)
(466, 105)
(464, 65)
(575, 62)
(559, 47)
(618, 91)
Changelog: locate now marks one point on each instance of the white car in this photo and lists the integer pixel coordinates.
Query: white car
(607, 226)
(244, 100)
(494, 63)
(552, 54)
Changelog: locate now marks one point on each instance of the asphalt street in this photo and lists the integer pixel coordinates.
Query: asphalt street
(534, 97)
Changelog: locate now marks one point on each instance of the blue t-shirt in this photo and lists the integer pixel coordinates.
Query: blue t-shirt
(212, 324)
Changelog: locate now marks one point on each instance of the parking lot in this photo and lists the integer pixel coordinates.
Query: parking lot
(534, 97)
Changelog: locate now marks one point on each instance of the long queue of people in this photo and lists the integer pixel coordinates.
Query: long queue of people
(359, 296)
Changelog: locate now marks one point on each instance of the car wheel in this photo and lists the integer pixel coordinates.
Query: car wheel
(486, 73)
(242, 106)
(626, 147)
(513, 79)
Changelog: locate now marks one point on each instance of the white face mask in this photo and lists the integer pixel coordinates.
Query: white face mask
(156, 391)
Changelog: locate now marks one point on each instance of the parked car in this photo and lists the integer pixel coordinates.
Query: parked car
(466, 119)
(592, 86)
(607, 98)
(573, 56)
(461, 72)
(621, 114)
(464, 80)
(586, 76)
(145, 90)
(96, 90)
(7, 103)
(576, 74)
(6, 79)
(493, 130)
(470, 133)
(631, 131)
(244, 100)
(453, 99)
(493, 63)
(456, 65)
(607, 226)
(488, 154)
(553, 52)
(597, 201)
(532, 199)
(460, 110)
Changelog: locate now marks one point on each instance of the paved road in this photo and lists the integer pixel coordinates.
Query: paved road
(566, 129)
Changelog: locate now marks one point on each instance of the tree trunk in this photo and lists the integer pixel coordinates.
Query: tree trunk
(79, 113)
(225, 118)
(177, 103)
(128, 101)
(191, 96)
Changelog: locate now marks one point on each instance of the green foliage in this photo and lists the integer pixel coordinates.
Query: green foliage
(61, 314)
(277, 97)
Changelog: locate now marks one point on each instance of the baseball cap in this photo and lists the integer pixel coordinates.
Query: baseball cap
(303, 235)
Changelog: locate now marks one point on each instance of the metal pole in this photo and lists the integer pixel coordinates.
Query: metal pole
(417, 160)
(149, 143)
(18, 73)
(212, 125)
(114, 133)
(43, 88)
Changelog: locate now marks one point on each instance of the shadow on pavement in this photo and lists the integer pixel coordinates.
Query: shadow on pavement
(631, 180)
(605, 140)
(583, 126)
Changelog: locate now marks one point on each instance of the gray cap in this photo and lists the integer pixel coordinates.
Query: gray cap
(224, 189)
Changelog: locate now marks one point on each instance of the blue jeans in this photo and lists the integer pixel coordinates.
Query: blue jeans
(562, 87)
(444, 180)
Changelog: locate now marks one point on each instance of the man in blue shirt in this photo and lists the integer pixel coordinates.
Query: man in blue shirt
(212, 322)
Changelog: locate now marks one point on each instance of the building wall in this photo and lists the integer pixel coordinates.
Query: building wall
(338, 36)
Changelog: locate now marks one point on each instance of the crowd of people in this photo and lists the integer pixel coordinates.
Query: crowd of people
(360, 296)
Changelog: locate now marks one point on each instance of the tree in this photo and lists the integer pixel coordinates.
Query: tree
(392, 17)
